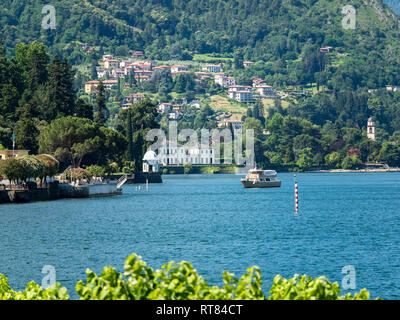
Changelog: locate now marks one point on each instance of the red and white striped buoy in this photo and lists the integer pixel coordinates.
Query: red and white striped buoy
(296, 195)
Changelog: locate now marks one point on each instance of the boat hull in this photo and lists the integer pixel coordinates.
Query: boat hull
(261, 184)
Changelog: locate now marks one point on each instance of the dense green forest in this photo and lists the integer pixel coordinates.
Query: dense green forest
(283, 36)
(277, 32)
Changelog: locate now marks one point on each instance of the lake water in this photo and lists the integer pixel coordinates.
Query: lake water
(216, 224)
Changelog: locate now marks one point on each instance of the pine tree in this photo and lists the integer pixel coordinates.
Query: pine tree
(11, 86)
(32, 60)
(60, 91)
(37, 72)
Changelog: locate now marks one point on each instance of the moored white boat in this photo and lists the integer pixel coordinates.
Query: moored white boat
(257, 178)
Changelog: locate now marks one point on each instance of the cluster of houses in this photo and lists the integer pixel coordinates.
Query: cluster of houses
(142, 70)
(113, 68)
(248, 94)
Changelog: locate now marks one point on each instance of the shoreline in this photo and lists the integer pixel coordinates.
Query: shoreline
(298, 172)
(354, 170)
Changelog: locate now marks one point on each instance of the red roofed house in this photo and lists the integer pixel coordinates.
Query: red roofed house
(162, 68)
(223, 80)
(138, 54)
(134, 97)
(110, 83)
(326, 49)
(258, 82)
(142, 65)
(177, 69)
(91, 86)
(265, 90)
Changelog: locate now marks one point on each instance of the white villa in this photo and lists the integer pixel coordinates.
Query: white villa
(223, 80)
(214, 68)
(171, 153)
(240, 93)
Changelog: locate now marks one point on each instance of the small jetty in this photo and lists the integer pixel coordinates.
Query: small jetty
(57, 190)
(76, 183)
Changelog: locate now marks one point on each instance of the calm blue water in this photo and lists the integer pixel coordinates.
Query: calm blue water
(213, 222)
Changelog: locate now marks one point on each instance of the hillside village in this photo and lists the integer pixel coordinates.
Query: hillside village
(112, 71)
(138, 70)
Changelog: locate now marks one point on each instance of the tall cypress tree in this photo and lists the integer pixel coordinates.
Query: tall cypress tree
(2, 48)
(100, 117)
(132, 80)
(138, 150)
(129, 136)
(93, 70)
(258, 111)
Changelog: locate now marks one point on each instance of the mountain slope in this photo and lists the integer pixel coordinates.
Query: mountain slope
(278, 32)
(199, 26)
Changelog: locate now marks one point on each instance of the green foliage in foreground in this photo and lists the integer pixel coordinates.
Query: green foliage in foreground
(32, 292)
(181, 282)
